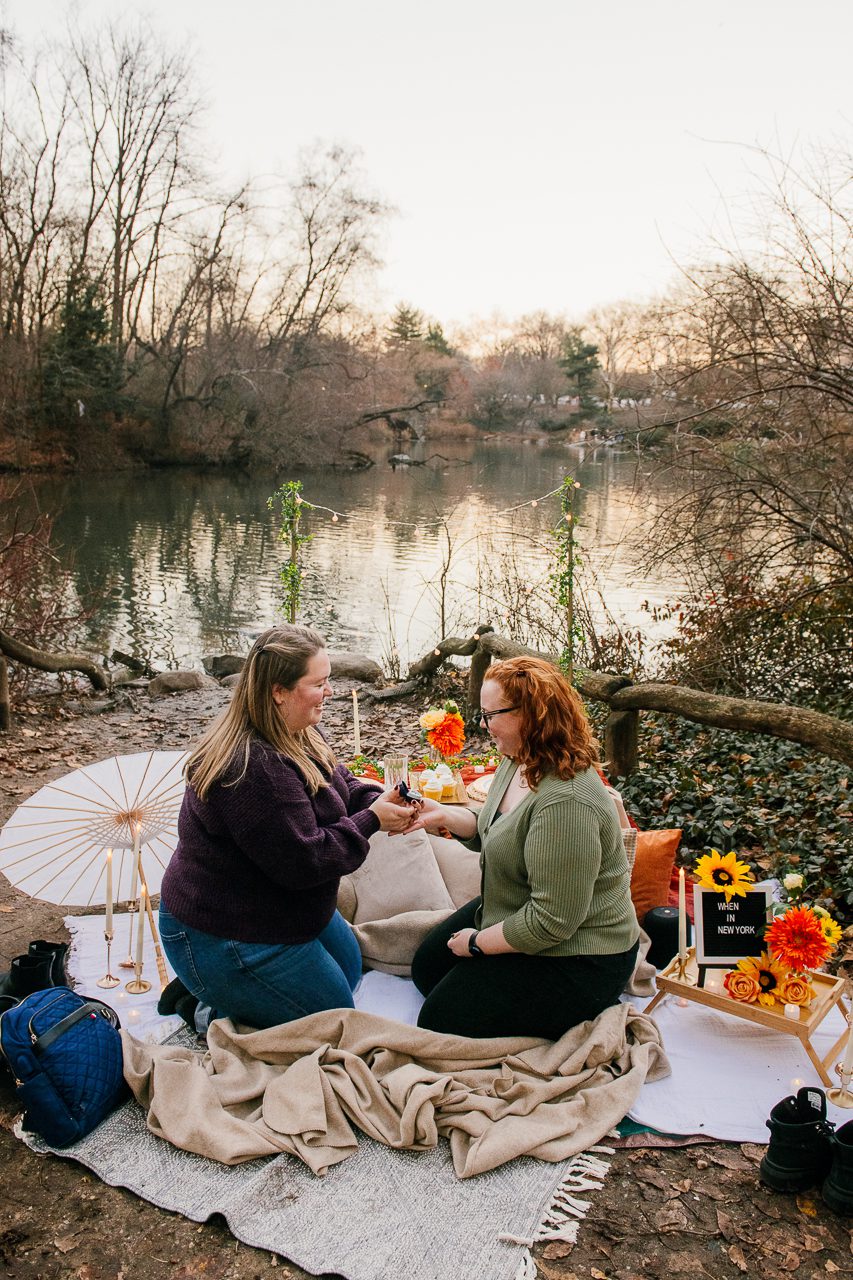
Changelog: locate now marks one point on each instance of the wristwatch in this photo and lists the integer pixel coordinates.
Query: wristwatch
(472, 945)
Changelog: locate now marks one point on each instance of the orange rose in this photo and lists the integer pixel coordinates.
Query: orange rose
(796, 991)
(742, 987)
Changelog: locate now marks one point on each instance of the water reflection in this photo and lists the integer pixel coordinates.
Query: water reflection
(186, 563)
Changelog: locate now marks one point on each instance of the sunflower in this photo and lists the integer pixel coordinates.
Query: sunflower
(797, 939)
(768, 973)
(724, 874)
(831, 928)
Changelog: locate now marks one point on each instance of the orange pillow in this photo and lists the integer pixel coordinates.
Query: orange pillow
(653, 869)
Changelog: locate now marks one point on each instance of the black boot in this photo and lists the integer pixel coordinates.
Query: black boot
(26, 975)
(838, 1188)
(186, 1008)
(799, 1154)
(170, 995)
(58, 952)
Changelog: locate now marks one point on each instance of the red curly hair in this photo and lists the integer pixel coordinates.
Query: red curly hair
(556, 736)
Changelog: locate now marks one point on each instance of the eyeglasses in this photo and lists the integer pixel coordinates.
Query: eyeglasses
(488, 716)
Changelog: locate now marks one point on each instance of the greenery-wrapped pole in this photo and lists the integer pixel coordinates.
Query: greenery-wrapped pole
(287, 498)
(563, 577)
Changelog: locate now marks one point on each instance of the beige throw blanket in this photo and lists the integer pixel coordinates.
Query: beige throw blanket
(304, 1088)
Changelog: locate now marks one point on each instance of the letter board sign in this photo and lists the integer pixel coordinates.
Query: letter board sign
(726, 932)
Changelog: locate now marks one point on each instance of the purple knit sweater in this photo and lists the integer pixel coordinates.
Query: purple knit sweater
(261, 861)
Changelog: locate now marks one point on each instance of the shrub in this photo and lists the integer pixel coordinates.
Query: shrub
(776, 804)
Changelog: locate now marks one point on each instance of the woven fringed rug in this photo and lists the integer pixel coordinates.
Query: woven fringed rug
(376, 1216)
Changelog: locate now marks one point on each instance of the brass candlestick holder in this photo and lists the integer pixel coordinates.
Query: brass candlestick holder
(681, 974)
(138, 985)
(108, 980)
(841, 1097)
(132, 909)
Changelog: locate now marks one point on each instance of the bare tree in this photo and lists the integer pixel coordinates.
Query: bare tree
(764, 387)
(134, 107)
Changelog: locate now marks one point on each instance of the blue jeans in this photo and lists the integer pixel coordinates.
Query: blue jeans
(264, 983)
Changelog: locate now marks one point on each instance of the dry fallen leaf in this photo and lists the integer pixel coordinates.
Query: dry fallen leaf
(596, 1274)
(65, 1244)
(791, 1261)
(728, 1157)
(737, 1256)
(807, 1206)
(557, 1249)
(726, 1226)
(829, 1265)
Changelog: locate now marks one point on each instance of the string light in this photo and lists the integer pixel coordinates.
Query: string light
(435, 524)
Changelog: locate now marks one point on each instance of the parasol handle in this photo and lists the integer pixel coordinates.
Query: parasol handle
(161, 963)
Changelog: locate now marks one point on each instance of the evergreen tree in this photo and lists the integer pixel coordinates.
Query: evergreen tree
(406, 327)
(79, 372)
(579, 362)
(436, 340)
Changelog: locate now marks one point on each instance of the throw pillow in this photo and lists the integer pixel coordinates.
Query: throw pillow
(652, 869)
(399, 874)
(459, 867)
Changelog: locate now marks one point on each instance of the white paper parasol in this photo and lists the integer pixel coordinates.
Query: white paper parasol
(53, 845)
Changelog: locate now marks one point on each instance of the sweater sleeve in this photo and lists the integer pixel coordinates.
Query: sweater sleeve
(362, 793)
(270, 817)
(562, 854)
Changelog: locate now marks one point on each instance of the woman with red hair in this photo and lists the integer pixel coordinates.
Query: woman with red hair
(552, 939)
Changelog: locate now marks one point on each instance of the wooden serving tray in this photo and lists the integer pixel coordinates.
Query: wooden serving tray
(828, 991)
(460, 795)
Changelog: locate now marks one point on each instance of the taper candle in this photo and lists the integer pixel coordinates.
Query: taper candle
(682, 915)
(356, 728)
(140, 937)
(108, 918)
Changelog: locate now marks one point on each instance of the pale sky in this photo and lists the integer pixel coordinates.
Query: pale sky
(553, 154)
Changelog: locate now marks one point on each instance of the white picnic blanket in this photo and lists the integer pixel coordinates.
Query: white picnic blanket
(726, 1073)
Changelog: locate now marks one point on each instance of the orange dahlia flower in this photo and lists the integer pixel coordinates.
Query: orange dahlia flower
(449, 736)
(797, 940)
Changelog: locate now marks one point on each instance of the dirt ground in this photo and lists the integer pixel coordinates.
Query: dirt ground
(698, 1210)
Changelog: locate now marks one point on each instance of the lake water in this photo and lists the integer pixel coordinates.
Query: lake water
(186, 563)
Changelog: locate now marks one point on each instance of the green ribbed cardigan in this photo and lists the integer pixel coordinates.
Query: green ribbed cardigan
(554, 870)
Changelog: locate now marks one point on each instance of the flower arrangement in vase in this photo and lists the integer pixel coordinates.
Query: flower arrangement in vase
(444, 729)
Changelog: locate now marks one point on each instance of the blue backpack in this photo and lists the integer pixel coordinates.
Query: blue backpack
(64, 1053)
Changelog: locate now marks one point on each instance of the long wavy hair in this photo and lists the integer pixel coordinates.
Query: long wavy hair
(279, 656)
(556, 736)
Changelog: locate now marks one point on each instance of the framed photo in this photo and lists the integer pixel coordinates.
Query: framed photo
(726, 932)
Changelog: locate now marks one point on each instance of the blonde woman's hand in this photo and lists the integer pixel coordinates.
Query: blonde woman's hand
(395, 814)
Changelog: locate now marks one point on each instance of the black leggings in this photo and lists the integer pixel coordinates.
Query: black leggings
(512, 994)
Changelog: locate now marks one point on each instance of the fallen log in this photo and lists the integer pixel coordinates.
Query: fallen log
(450, 647)
(41, 660)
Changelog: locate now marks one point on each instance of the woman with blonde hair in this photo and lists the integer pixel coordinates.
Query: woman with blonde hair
(552, 939)
(269, 824)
